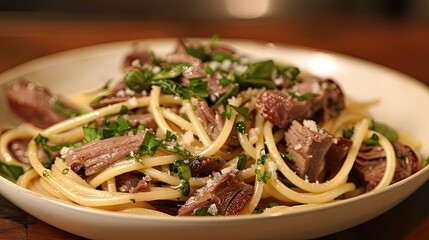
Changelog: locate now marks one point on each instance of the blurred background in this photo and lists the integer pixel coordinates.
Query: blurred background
(394, 33)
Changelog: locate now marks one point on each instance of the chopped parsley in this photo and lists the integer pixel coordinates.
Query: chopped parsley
(240, 126)
(198, 52)
(124, 110)
(262, 177)
(231, 92)
(302, 97)
(272, 204)
(290, 72)
(385, 130)
(198, 87)
(184, 173)
(174, 88)
(242, 111)
(348, 133)
(205, 211)
(10, 172)
(373, 140)
(242, 161)
(262, 158)
(151, 143)
(286, 156)
(66, 111)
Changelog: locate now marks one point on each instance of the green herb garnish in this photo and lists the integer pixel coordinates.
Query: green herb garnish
(240, 110)
(373, 140)
(286, 156)
(65, 111)
(184, 173)
(11, 172)
(302, 97)
(242, 160)
(385, 130)
(204, 211)
(240, 126)
(348, 133)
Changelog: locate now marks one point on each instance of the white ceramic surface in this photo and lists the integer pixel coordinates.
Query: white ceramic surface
(88, 68)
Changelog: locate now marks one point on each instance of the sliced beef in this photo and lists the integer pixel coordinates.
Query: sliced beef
(134, 120)
(281, 107)
(228, 194)
(336, 155)
(99, 154)
(34, 103)
(126, 181)
(132, 182)
(142, 185)
(215, 89)
(213, 122)
(370, 165)
(142, 55)
(204, 166)
(18, 148)
(308, 146)
(333, 100)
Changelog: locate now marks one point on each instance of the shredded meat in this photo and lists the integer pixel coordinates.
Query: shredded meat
(308, 149)
(215, 89)
(34, 103)
(142, 55)
(18, 149)
(227, 193)
(280, 108)
(204, 166)
(99, 154)
(371, 164)
(213, 122)
(336, 155)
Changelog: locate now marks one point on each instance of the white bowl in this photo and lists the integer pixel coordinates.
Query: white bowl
(88, 68)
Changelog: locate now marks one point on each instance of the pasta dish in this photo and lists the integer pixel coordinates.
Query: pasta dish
(202, 131)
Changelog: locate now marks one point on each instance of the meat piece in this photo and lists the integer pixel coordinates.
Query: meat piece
(281, 107)
(142, 185)
(213, 122)
(215, 89)
(142, 55)
(183, 58)
(204, 166)
(333, 100)
(336, 155)
(134, 120)
(370, 168)
(308, 145)
(228, 194)
(126, 181)
(18, 148)
(99, 154)
(34, 103)
(132, 182)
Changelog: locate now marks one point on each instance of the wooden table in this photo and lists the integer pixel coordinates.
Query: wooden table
(402, 45)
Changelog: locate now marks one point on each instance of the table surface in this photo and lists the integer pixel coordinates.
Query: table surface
(401, 45)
